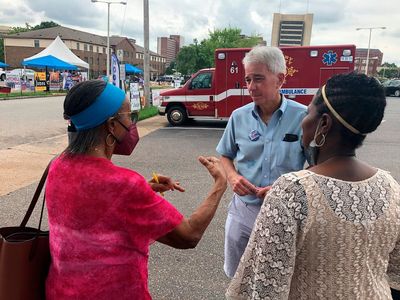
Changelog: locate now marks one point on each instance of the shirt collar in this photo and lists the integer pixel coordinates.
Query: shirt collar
(282, 108)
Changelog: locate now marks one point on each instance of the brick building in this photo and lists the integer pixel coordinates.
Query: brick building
(89, 47)
(375, 60)
(168, 47)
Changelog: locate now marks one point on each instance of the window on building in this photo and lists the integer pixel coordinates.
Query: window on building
(91, 60)
(36, 43)
(104, 50)
(86, 59)
(85, 47)
(78, 47)
(98, 49)
(91, 48)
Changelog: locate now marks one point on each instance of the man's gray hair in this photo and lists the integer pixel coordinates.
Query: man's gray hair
(272, 57)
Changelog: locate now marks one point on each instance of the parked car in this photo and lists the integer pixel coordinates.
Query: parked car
(392, 87)
(24, 74)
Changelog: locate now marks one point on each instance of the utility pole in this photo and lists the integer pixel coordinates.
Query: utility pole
(146, 66)
(369, 44)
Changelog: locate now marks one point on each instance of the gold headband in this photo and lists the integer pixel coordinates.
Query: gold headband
(338, 117)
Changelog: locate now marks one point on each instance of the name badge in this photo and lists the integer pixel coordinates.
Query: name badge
(254, 135)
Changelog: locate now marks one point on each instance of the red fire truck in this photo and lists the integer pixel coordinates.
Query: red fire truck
(214, 93)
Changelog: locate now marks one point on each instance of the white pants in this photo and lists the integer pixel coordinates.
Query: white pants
(238, 227)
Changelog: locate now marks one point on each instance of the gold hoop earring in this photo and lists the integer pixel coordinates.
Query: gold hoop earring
(112, 144)
(321, 142)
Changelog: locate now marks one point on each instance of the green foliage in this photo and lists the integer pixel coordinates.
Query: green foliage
(198, 56)
(389, 70)
(42, 25)
(171, 68)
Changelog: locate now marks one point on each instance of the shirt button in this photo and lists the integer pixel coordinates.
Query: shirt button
(265, 176)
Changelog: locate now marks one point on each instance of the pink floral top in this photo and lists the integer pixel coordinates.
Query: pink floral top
(102, 219)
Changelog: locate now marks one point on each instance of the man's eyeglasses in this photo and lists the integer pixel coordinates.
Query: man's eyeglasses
(134, 116)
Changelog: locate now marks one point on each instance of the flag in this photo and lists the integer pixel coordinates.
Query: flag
(115, 70)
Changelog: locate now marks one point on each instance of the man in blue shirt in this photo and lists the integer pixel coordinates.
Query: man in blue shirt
(263, 138)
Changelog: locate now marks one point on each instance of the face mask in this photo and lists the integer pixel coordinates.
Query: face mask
(311, 151)
(128, 143)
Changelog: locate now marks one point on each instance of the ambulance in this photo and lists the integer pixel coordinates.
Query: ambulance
(215, 92)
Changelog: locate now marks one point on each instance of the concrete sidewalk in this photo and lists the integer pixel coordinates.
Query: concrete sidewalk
(23, 164)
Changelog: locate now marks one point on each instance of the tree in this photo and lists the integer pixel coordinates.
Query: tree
(171, 68)
(201, 55)
(389, 70)
(42, 25)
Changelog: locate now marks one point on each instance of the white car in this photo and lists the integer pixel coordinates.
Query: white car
(24, 74)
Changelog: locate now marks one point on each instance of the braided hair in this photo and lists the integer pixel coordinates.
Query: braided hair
(358, 99)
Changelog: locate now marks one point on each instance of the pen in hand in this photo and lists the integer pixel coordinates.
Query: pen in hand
(155, 177)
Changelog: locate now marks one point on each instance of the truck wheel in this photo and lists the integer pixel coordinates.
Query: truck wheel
(176, 115)
(397, 93)
(3, 77)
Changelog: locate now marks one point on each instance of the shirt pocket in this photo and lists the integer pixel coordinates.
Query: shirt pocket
(290, 157)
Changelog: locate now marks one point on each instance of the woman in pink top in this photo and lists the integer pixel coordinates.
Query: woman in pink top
(103, 218)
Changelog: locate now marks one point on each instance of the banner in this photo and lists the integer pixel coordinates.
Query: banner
(135, 96)
(55, 81)
(115, 70)
(40, 81)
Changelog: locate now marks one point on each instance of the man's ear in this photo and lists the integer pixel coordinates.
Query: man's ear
(281, 79)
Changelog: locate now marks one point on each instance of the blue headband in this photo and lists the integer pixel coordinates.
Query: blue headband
(105, 106)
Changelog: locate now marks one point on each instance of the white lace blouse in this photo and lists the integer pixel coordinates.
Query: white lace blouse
(317, 237)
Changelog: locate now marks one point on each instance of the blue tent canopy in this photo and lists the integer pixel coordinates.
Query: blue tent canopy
(49, 61)
(132, 69)
(2, 65)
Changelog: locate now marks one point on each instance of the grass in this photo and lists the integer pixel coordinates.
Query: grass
(148, 112)
(31, 94)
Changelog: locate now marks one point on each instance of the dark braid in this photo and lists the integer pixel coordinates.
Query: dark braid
(360, 100)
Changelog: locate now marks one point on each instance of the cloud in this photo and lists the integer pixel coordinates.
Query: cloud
(335, 21)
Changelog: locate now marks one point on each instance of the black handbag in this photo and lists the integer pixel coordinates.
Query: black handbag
(25, 256)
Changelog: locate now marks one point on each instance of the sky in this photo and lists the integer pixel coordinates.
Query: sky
(335, 21)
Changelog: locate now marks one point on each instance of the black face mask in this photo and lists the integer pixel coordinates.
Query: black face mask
(311, 151)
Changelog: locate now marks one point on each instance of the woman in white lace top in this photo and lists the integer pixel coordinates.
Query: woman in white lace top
(332, 231)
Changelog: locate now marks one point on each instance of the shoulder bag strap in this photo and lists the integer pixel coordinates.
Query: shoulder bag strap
(36, 196)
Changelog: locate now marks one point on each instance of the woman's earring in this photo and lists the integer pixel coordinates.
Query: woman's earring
(321, 142)
(114, 139)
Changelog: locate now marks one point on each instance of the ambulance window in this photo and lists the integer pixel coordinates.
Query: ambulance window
(201, 81)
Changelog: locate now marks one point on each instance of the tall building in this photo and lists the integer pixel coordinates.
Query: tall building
(168, 47)
(291, 30)
(374, 61)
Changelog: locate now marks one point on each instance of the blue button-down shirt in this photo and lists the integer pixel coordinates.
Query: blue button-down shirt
(263, 152)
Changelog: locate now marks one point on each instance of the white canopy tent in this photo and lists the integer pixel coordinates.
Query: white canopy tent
(59, 50)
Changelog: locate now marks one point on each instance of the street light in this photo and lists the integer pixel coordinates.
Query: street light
(108, 30)
(369, 43)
